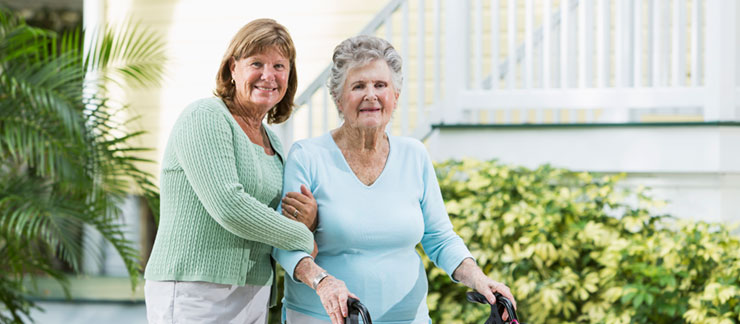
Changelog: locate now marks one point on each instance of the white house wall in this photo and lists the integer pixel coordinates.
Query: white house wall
(695, 168)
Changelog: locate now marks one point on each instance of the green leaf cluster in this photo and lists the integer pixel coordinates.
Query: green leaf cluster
(575, 248)
(66, 158)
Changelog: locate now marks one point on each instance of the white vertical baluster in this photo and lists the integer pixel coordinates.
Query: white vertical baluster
(658, 43)
(528, 43)
(649, 50)
(421, 93)
(495, 73)
(678, 50)
(437, 52)
(619, 54)
(405, 49)
(511, 50)
(325, 113)
(537, 66)
(664, 42)
(572, 46)
(555, 57)
(586, 45)
(389, 38)
(546, 44)
(696, 43)
(564, 43)
(309, 117)
(603, 40)
(637, 49)
(477, 44)
(623, 51)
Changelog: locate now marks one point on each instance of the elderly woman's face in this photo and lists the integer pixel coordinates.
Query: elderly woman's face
(261, 80)
(368, 96)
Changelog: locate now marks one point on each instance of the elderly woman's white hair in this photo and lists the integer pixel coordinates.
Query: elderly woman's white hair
(357, 51)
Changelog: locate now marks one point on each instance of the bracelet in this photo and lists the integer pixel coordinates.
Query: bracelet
(315, 282)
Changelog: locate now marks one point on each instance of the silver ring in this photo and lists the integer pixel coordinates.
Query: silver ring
(295, 212)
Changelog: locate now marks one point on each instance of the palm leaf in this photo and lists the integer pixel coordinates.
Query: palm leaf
(129, 53)
(67, 161)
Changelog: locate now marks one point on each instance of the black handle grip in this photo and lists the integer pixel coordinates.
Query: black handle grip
(356, 311)
(502, 303)
(476, 297)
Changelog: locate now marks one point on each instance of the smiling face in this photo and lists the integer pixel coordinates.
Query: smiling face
(368, 97)
(261, 80)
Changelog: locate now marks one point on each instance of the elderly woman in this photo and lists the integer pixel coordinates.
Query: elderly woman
(221, 181)
(378, 197)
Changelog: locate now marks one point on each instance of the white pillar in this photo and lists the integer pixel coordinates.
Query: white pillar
(93, 242)
(456, 57)
(721, 60)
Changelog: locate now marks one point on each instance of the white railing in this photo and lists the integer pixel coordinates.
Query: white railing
(550, 61)
(646, 69)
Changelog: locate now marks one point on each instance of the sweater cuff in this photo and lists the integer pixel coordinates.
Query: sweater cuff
(452, 263)
(289, 260)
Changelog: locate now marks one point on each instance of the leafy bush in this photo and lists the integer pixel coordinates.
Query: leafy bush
(573, 250)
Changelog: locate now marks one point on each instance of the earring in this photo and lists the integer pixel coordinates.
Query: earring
(232, 81)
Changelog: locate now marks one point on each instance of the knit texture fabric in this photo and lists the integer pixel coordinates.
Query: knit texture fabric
(219, 192)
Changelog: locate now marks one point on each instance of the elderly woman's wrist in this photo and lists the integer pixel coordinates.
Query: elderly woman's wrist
(303, 268)
(318, 279)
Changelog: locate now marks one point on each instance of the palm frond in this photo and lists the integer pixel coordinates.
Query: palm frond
(67, 161)
(130, 54)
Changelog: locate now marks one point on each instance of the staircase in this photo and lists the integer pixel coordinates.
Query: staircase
(549, 62)
(645, 87)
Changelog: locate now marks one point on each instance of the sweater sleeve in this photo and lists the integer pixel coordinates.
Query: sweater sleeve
(294, 176)
(205, 150)
(440, 242)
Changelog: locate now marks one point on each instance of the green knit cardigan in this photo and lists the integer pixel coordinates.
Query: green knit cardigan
(218, 197)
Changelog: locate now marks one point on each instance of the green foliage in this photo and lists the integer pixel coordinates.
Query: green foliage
(65, 157)
(573, 250)
(275, 313)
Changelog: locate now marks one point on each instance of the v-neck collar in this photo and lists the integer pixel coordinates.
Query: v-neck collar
(354, 175)
(274, 142)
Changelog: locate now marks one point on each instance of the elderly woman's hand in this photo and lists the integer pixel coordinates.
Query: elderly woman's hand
(487, 286)
(302, 207)
(472, 276)
(334, 294)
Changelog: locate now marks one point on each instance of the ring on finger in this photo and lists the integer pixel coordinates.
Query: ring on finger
(295, 212)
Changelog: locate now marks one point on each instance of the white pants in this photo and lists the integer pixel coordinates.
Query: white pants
(293, 317)
(181, 302)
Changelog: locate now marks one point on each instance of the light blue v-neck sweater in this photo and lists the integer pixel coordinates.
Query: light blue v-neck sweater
(367, 234)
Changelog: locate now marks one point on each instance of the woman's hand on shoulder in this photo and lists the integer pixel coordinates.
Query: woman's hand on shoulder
(334, 294)
(302, 207)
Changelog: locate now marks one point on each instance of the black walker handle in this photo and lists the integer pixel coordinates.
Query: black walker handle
(502, 303)
(356, 311)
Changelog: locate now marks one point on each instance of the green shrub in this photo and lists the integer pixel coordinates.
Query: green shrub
(574, 251)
